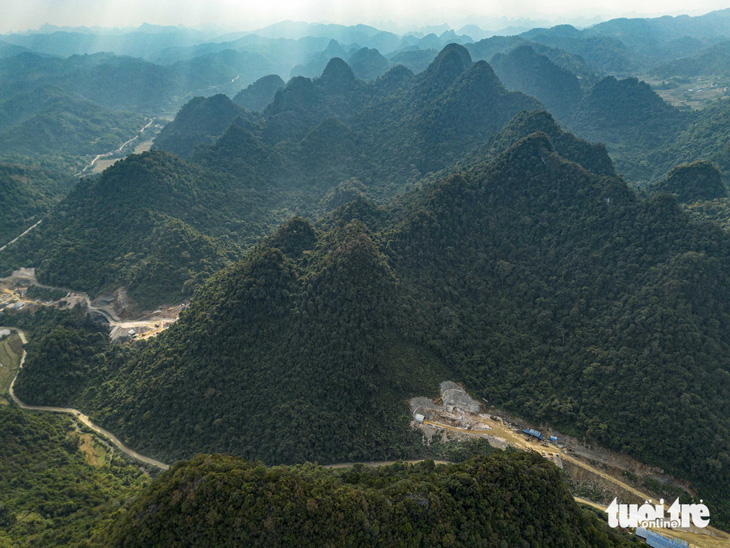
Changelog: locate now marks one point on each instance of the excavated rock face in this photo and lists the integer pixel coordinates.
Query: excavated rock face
(454, 395)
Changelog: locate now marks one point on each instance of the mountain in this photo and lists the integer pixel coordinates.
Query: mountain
(27, 193)
(696, 182)
(199, 121)
(447, 109)
(318, 62)
(105, 79)
(708, 137)
(635, 124)
(141, 42)
(475, 32)
(661, 39)
(53, 122)
(304, 103)
(713, 61)
(152, 223)
(528, 278)
(507, 499)
(486, 50)
(592, 157)
(227, 66)
(10, 50)
(605, 54)
(260, 94)
(249, 173)
(522, 69)
(417, 60)
(368, 64)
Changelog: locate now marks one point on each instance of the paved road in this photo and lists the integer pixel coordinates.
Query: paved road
(79, 416)
(116, 151)
(19, 237)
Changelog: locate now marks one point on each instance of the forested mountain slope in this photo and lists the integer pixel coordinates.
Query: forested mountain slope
(503, 500)
(258, 95)
(251, 172)
(103, 78)
(198, 122)
(545, 288)
(525, 70)
(51, 494)
(696, 182)
(27, 193)
(713, 61)
(51, 122)
(637, 126)
(153, 223)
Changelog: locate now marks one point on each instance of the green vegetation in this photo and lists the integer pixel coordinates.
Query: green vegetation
(66, 126)
(259, 95)
(45, 293)
(105, 79)
(636, 125)
(696, 182)
(159, 225)
(368, 64)
(11, 351)
(504, 500)
(199, 121)
(546, 289)
(26, 193)
(715, 211)
(713, 61)
(522, 69)
(152, 222)
(49, 494)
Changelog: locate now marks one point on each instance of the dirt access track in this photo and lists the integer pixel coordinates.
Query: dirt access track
(451, 422)
(144, 326)
(79, 417)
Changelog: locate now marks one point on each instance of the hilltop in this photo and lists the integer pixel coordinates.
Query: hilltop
(505, 499)
(243, 171)
(529, 278)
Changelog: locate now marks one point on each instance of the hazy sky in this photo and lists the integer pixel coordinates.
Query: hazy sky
(18, 15)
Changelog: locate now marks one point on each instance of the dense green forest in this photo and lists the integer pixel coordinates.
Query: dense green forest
(153, 223)
(49, 493)
(257, 169)
(696, 182)
(27, 193)
(547, 289)
(258, 95)
(58, 123)
(159, 225)
(504, 500)
(713, 61)
(433, 223)
(525, 70)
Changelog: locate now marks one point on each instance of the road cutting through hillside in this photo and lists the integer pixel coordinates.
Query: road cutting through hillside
(78, 415)
(19, 237)
(709, 537)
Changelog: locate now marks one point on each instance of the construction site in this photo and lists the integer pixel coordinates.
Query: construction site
(21, 291)
(597, 475)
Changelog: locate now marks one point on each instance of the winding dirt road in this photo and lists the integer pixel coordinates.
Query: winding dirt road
(78, 415)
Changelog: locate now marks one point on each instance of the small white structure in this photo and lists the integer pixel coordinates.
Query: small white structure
(419, 418)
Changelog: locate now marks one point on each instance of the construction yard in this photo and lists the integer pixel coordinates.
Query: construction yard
(598, 475)
(21, 291)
